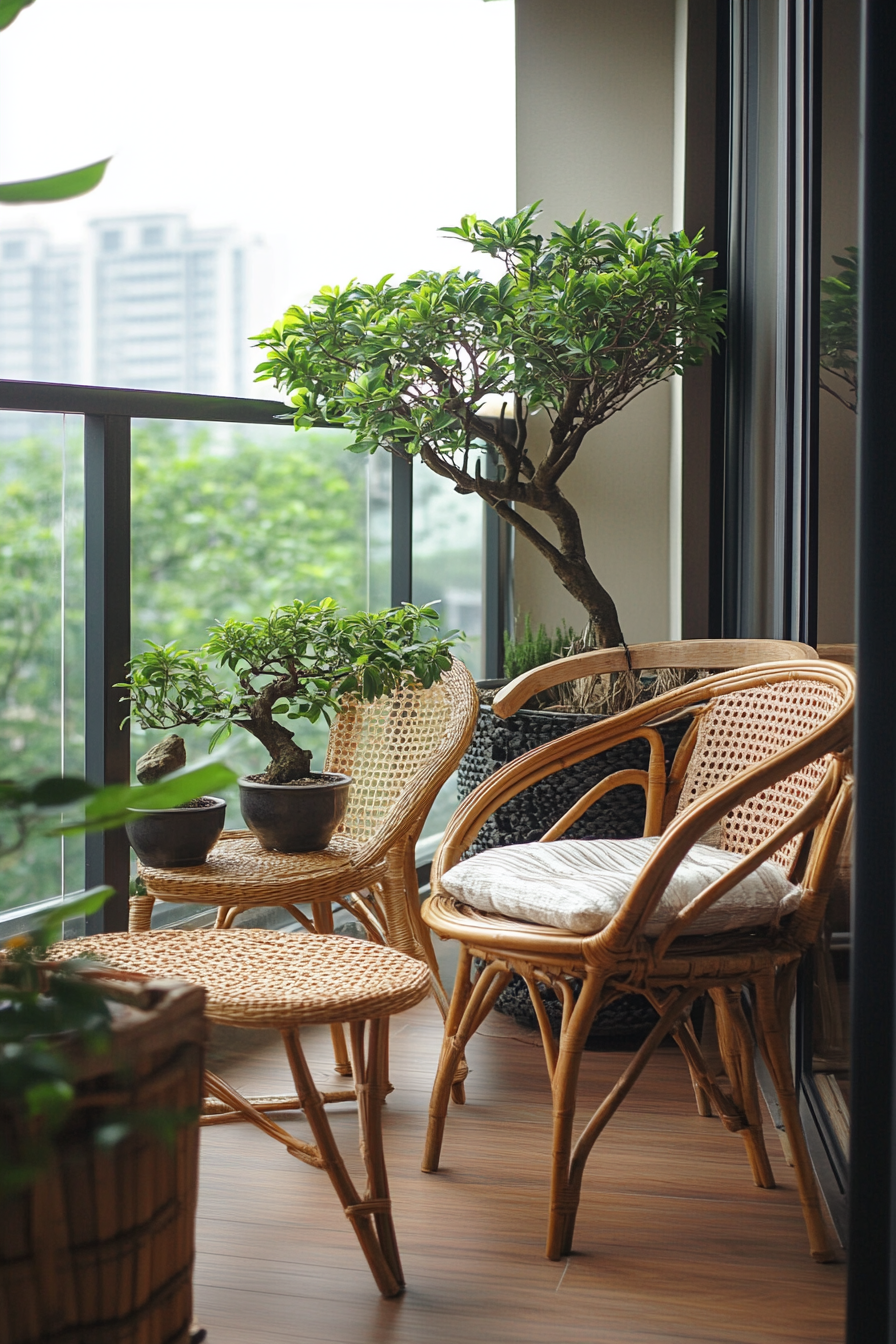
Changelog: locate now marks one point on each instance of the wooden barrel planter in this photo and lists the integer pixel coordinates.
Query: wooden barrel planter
(619, 815)
(99, 1250)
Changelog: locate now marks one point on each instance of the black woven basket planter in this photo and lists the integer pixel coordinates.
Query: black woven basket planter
(618, 815)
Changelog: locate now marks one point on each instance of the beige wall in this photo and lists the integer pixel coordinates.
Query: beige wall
(595, 110)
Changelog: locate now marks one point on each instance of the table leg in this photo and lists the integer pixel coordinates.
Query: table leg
(371, 1216)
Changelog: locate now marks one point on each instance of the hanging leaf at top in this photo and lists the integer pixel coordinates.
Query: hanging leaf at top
(59, 187)
(10, 10)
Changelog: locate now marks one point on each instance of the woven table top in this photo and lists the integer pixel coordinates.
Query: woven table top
(261, 978)
(240, 871)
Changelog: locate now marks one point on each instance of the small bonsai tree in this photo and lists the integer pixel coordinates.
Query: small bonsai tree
(839, 332)
(579, 324)
(297, 663)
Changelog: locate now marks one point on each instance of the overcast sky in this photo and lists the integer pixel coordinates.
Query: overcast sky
(342, 131)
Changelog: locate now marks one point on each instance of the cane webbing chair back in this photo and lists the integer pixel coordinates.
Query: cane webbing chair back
(386, 745)
(743, 728)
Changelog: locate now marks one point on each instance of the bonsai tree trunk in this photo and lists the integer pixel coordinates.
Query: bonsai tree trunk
(571, 566)
(288, 761)
(568, 560)
(537, 488)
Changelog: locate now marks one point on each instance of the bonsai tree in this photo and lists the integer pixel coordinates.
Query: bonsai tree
(297, 663)
(579, 324)
(839, 331)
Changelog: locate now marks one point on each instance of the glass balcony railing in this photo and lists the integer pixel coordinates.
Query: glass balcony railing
(130, 516)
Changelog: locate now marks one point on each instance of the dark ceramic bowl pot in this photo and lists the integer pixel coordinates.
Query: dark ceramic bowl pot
(176, 837)
(295, 819)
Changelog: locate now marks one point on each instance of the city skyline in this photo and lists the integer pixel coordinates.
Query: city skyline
(144, 301)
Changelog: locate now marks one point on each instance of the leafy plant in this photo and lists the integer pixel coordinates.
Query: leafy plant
(297, 663)
(44, 1010)
(578, 325)
(839, 331)
(533, 650)
(60, 186)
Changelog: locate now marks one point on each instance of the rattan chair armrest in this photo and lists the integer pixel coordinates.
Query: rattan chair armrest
(535, 765)
(717, 654)
(595, 738)
(685, 830)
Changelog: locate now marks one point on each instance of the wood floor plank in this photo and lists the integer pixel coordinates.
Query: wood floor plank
(674, 1242)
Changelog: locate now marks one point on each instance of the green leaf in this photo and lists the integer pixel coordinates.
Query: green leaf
(50, 1100)
(49, 927)
(10, 10)
(220, 735)
(115, 804)
(60, 791)
(59, 187)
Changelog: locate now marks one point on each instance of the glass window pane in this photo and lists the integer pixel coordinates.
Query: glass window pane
(230, 521)
(41, 629)
(447, 569)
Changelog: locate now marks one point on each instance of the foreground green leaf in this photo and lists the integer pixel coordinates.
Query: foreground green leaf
(10, 10)
(59, 187)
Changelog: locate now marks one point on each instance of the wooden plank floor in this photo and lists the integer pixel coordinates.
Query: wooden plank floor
(674, 1243)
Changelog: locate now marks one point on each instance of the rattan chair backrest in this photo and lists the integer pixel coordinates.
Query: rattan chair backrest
(742, 728)
(400, 748)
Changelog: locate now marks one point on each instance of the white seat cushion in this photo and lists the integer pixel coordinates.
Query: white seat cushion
(580, 884)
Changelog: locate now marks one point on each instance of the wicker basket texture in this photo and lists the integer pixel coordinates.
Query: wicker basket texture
(100, 1249)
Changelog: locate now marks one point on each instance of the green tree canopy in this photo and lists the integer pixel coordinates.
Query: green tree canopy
(579, 324)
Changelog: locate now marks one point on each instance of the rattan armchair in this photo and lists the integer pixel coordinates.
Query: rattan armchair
(399, 751)
(763, 772)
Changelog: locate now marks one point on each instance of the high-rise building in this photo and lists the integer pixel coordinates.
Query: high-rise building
(169, 305)
(40, 308)
(148, 303)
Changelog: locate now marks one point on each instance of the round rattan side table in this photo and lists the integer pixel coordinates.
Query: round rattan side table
(261, 978)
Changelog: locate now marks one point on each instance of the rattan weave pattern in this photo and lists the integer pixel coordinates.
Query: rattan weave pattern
(381, 745)
(741, 729)
(261, 978)
(239, 870)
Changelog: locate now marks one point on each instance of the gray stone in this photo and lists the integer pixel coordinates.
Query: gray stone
(166, 756)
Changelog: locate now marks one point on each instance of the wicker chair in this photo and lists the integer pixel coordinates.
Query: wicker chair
(399, 750)
(763, 772)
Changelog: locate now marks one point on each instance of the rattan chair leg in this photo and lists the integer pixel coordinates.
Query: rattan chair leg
(465, 1008)
(421, 930)
(360, 1212)
(564, 1201)
(736, 1045)
(701, 1096)
(322, 913)
(140, 913)
(725, 1107)
(773, 1045)
(568, 1165)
